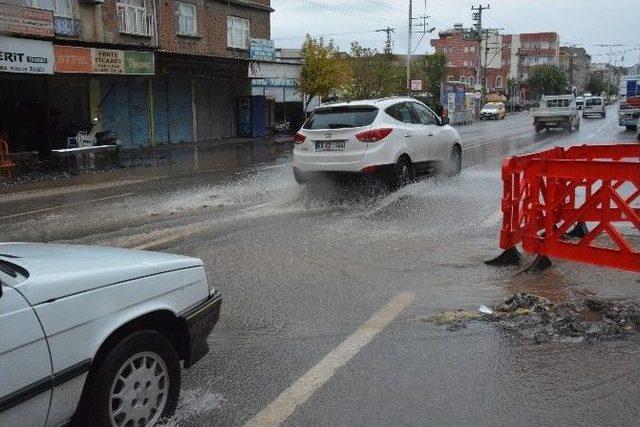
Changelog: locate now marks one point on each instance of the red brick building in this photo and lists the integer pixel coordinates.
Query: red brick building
(501, 56)
(153, 71)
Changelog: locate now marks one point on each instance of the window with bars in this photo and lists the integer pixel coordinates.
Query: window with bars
(187, 20)
(238, 32)
(134, 17)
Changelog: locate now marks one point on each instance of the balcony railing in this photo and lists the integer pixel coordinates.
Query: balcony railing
(135, 20)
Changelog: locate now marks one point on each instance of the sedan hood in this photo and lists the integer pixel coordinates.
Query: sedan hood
(56, 271)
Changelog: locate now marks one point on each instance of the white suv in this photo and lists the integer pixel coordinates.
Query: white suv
(95, 335)
(392, 137)
(594, 105)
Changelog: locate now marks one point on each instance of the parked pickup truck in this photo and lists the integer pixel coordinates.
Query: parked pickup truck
(94, 335)
(556, 111)
(629, 106)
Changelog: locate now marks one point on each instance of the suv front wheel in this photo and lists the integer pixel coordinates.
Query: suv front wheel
(136, 383)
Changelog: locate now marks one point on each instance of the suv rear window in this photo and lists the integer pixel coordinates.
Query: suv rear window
(341, 117)
(593, 101)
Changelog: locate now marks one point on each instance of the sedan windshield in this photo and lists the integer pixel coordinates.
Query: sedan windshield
(341, 117)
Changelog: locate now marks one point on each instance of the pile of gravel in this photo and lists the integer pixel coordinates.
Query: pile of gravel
(541, 320)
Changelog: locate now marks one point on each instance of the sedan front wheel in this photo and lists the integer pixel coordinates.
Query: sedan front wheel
(137, 383)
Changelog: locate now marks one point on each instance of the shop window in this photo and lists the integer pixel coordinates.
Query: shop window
(237, 32)
(135, 17)
(187, 21)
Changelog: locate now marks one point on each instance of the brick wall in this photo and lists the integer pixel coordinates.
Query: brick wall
(211, 36)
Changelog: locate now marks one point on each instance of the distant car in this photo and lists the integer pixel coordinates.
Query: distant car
(579, 102)
(96, 334)
(493, 110)
(594, 106)
(395, 138)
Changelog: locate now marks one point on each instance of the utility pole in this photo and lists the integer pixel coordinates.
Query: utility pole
(476, 16)
(388, 44)
(409, 47)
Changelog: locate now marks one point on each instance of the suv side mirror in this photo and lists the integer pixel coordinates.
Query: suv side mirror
(444, 121)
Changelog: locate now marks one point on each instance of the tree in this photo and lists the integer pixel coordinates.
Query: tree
(596, 84)
(547, 80)
(435, 69)
(372, 73)
(324, 70)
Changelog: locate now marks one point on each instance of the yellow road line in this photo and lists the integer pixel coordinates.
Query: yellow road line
(300, 391)
(52, 208)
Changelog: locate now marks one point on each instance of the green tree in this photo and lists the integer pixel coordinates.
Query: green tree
(547, 80)
(372, 73)
(595, 85)
(435, 69)
(324, 70)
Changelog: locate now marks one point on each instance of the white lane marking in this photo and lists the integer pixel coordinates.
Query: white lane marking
(51, 208)
(300, 391)
(492, 219)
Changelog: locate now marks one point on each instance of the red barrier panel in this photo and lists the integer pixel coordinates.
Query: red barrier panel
(547, 193)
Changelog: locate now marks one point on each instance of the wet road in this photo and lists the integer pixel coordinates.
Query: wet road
(324, 290)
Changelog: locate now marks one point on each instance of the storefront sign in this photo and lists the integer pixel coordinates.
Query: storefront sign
(274, 82)
(103, 61)
(108, 61)
(24, 20)
(416, 85)
(73, 59)
(138, 62)
(262, 49)
(25, 56)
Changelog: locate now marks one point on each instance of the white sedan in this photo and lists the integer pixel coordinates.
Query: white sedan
(95, 335)
(393, 137)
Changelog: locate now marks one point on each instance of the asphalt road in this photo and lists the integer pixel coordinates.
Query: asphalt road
(324, 291)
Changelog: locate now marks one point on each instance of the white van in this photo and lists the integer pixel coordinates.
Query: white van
(594, 106)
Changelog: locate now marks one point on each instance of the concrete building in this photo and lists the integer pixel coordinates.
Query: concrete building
(155, 72)
(575, 62)
(502, 57)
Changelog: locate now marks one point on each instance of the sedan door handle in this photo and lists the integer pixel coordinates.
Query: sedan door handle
(407, 135)
(430, 134)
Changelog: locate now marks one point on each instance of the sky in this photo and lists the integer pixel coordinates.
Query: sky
(584, 23)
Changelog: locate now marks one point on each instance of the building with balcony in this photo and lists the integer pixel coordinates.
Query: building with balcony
(501, 57)
(154, 72)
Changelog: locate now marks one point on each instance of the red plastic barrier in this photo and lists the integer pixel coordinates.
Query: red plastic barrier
(547, 193)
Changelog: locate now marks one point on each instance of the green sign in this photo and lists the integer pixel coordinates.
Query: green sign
(138, 62)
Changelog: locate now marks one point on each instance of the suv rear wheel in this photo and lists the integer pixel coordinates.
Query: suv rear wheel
(402, 172)
(455, 162)
(137, 383)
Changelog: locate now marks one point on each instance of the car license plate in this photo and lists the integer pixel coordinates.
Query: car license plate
(551, 123)
(330, 146)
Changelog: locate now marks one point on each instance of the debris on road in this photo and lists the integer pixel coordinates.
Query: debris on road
(543, 321)
(485, 310)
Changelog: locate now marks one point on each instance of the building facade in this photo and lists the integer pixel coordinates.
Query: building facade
(575, 62)
(501, 58)
(154, 72)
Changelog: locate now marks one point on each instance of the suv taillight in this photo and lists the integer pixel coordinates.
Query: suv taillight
(299, 138)
(373, 135)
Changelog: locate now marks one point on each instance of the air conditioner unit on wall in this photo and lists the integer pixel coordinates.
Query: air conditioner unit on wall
(91, 1)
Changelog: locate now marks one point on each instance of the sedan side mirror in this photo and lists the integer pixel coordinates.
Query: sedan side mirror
(444, 121)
